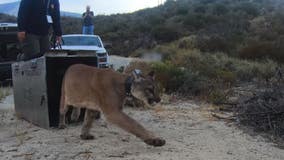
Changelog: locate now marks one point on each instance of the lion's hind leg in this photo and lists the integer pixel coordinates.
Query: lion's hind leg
(90, 115)
(62, 111)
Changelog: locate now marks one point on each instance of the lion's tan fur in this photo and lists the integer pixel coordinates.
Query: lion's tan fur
(101, 90)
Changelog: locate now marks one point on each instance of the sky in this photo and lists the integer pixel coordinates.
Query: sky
(103, 6)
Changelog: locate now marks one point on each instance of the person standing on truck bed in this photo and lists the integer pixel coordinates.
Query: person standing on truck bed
(34, 20)
(88, 24)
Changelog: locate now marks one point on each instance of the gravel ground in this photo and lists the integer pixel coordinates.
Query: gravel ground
(190, 131)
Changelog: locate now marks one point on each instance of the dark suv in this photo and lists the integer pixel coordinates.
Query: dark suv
(9, 49)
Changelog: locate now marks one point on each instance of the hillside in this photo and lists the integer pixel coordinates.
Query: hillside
(250, 29)
(234, 27)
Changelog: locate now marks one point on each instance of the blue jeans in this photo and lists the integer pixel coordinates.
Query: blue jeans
(88, 29)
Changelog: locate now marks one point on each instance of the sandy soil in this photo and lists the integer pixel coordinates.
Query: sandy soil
(189, 130)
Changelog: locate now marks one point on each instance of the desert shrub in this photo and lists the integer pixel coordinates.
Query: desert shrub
(200, 9)
(169, 76)
(145, 67)
(267, 69)
(249, 70)
(189, 81)
(262, 49)
(217, 96)
(220, 9)
(167, 50)
(187, 42)
(243, 70)
(202, 63)
(257, 50)
(182, 10)
(165, 34)
(226, 76)
(249, 8)
(193, 84)
(192, 72)
(263, 111)
(71, 25)
(213, 44)
(197, 21)
(217, 66)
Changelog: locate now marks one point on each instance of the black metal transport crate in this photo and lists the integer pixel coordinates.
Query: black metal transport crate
(37, 87)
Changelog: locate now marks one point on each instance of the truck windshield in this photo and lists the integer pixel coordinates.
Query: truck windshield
(81, 41)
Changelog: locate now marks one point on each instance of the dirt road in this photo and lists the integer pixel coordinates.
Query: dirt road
(190, 132)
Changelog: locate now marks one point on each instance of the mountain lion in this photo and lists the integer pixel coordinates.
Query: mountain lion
(105, 90)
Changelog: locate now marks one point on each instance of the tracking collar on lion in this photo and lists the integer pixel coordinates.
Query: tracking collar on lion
(129, 81)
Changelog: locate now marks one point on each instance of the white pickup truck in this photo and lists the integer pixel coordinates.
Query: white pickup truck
(9, 50)
(86, 43)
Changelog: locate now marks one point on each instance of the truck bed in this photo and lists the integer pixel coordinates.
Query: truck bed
(5, 70)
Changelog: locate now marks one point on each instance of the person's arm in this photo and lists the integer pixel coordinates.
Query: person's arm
(56, 19)
(91, 14)
(84, 15)
(23, 14)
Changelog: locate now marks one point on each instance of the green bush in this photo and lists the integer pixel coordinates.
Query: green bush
(181, 80)
(249, 8)
(200, 9)
(198, 21)
(71, 25)
(227, 77)
(195, 73)
(165, 34)
(193, 84)
(169, 76)
(214, 44)
(145, 67)
(220, 9)
(216, 66)
(217, 97)
(187, 42)
(262, 49)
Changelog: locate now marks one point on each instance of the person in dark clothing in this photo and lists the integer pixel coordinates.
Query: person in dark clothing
(88, 24)
(34, 20)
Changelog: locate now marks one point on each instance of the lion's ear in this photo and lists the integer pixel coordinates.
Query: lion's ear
(152, 75)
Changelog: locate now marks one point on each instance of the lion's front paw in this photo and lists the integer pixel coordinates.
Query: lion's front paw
(87, 136)
(157, 142)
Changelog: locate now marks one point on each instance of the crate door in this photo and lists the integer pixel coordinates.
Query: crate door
(30, 93)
